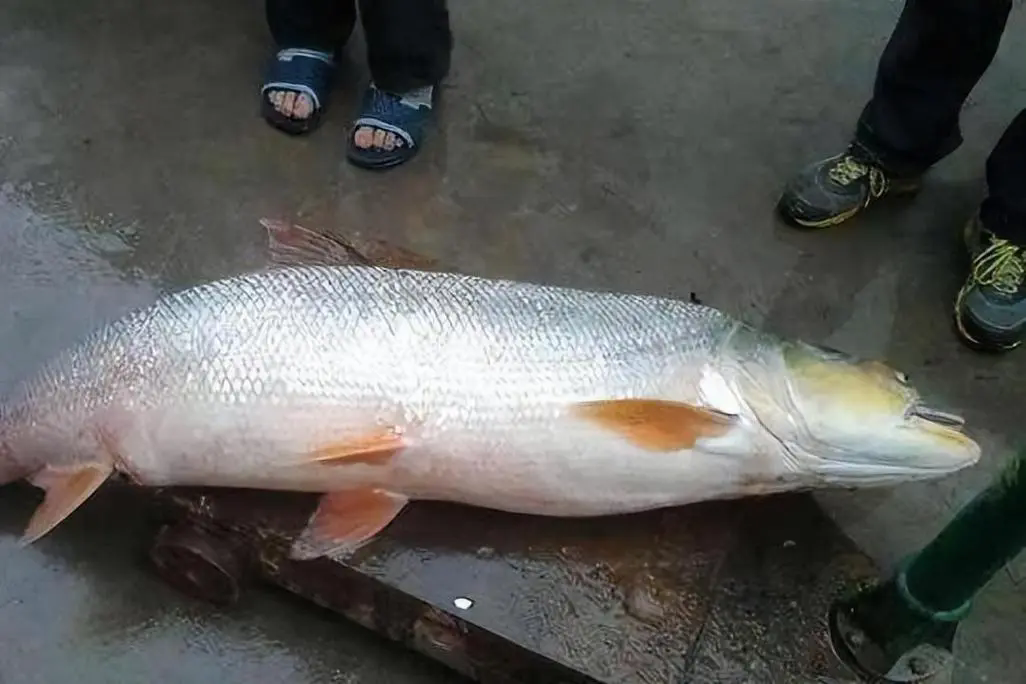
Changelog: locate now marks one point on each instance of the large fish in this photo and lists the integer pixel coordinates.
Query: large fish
(377, 385)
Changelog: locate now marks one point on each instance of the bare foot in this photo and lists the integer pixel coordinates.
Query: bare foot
(290, 103)
(368, 136)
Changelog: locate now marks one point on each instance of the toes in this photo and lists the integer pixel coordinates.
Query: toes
(275, 97)
(288, 103)
(367, 137)
(291, 104)
(303, 107)
(364, 137)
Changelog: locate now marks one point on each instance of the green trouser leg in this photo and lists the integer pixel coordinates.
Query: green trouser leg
(932, 591)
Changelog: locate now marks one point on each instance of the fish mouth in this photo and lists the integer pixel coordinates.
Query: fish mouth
(943, 419)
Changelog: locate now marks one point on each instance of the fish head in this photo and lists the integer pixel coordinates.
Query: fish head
(855, 421)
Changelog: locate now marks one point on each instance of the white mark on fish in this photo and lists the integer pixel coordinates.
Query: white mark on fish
(717, 394)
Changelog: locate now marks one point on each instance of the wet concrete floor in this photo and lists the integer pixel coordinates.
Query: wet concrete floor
(633, 145)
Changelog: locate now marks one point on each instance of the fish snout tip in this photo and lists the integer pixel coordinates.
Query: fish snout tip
(956, 451)
(942, 435)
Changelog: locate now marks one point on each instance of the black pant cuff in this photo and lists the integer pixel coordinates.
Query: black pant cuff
(871, 145)
(1003, 223)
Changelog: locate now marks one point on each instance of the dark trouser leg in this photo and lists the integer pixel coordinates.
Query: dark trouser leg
(409, 42)
(936, 55)
(990, 309)
(298, 82)
(1004, 209)
(316, 24)
(938, 51)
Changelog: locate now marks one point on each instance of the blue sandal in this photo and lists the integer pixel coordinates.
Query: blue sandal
(404, 115)
(302, 71)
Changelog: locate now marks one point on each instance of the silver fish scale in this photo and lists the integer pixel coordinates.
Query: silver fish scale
(450, 347)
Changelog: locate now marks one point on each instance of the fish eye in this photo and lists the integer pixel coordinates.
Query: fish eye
(901, 377)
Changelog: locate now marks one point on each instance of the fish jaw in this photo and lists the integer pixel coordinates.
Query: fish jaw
(898, 453)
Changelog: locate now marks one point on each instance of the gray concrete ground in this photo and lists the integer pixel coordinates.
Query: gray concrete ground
(624, 144)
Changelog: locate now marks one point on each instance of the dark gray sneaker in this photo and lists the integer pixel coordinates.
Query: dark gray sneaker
(833, 190)
(990, 309)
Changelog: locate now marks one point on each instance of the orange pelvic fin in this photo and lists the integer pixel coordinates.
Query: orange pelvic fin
(66, 490)
(289, 245)
(655, 424)
(346, 520)
(377, 448)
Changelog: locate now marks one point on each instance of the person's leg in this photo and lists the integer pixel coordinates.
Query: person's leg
(409, 48)
(309, 35)
(990, 309)
(938, 51)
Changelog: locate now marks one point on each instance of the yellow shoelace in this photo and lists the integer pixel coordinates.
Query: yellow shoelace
(851, 169)
(1000, 266)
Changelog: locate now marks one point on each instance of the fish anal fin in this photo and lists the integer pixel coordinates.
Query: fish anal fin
(346, 520)
(66, 490)
(377, 448)
(290, 245)
(656, 424)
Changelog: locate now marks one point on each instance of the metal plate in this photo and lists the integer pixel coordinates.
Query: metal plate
(716, 592)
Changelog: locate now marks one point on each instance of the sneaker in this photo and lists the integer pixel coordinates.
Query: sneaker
(990, 309)
(835, 189)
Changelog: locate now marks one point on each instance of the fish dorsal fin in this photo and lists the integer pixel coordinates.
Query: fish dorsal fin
(656, 424)
(293, 245)
(66, 490)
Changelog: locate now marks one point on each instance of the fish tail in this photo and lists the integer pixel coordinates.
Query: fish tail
(10, 469)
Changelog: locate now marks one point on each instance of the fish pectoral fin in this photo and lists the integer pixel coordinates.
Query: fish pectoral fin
(346, 520)
(656, 424)
(66, 490)
(377, 448)
(290, 245)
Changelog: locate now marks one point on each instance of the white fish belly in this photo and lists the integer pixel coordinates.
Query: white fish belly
(254, 446)
(563, 470)
(557, 467)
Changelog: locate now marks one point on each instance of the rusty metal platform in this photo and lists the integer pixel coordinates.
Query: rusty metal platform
(714, 592)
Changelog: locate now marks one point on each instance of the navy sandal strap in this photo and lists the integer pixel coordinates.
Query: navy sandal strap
(406, 116)
(302, 70)
(391, 112)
